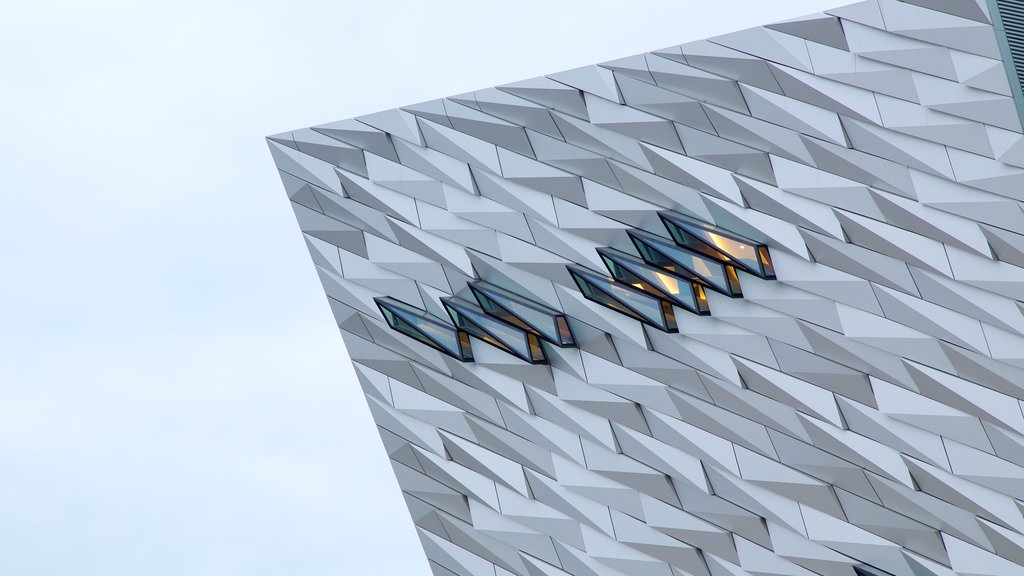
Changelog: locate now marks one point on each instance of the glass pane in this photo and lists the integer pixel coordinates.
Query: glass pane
(669, 314)
(669, 284)
(541, 320)
(465, 347)
(519, 311)
(564, 334)
(703, 266)
(497, 311)
(508, 335)
(445, 335)
(627, 274)
(600, 297)
(536, 350)
(655, 281)
(621, 298)
(734, 281)
(685, 237)
(744, 253)
(701, 299)
(506, 297)
(649, 247)
(766, 262)
(650, 254)
(407, 329)
(719, 244)
(680, 290)
(494, 332)
(416, 324)
(706, 269)
(649, 306)
(616, 270)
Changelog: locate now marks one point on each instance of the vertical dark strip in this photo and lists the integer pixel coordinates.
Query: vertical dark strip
(1008, 20)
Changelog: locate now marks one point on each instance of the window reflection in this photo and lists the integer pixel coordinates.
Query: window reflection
(625, 299)
(425, 328)
(721, 245)
(634, 271)
(548, 323)
(502, 335)
(690, 264)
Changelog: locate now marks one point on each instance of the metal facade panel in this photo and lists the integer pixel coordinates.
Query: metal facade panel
(854, 409)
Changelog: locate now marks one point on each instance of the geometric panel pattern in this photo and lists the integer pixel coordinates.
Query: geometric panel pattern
(858, 412)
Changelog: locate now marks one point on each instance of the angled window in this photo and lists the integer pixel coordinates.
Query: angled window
(548, 323)
(502, 335)
(625, 299)
(656, 281)
(426, 328)
(687, 263)
(721, 245)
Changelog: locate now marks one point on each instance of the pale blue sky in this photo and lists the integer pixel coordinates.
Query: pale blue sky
(174, 397)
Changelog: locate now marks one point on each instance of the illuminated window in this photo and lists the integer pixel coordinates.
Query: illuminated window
(723, 246)
(528, 315)
(631, 270)
(425, 328)
(625, 299)
(686, 263)
(506, 337)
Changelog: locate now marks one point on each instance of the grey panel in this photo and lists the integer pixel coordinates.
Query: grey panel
(855, 409)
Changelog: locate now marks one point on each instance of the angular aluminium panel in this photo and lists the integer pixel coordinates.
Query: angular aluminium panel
(854, 410)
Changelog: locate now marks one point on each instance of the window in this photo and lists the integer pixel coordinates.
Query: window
(548, 323)
(625, 299)
(507, 337)
(425, 328)
(684, 262)
(723, 246)
(658, 282)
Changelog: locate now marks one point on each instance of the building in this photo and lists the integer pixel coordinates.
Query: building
(744, 306)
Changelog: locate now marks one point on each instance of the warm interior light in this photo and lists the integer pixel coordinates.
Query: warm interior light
(734, 281)
(564, 334)
(536, 352)
(464, 345)
(701, 267)
(733, 249)
(700, 293)
(766, 261)
(668, 282)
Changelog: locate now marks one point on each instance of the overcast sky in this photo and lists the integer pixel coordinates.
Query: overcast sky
(174, 396)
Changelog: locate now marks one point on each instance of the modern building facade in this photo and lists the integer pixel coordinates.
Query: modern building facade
(744, 306)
